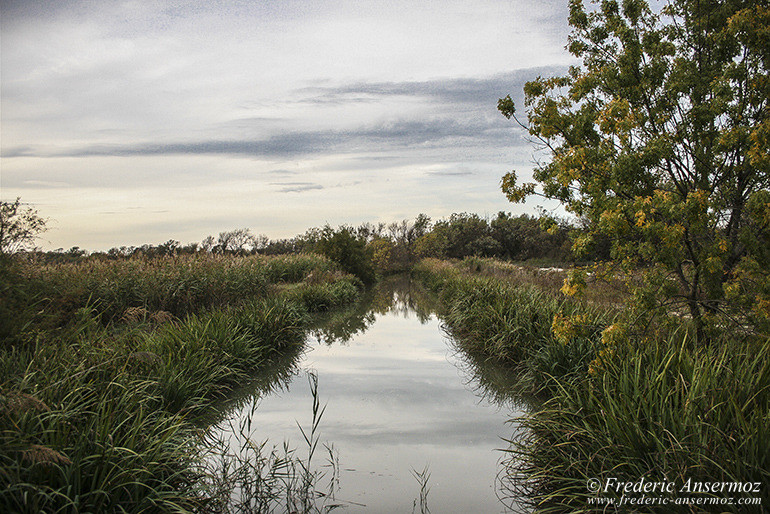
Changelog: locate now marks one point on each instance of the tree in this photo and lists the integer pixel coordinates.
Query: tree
(404, 236)
(526, 237)
(19, 228)
(460, 235)
(170, 248)
(208, 244)
(347, 250)
(660, 141)
(237, 241)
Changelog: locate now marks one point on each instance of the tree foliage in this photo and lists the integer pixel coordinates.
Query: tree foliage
(505, 236)
(239, 241)
(19, 227)
(349, 251)
(660, 141)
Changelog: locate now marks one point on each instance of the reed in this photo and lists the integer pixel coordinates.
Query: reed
(179, 285)
(296, 268)
(513, 322)
(662, 411)
(421, 502)
(322, 296)
(98, 448)
(100, 395)
(247, 476)
(655, 407)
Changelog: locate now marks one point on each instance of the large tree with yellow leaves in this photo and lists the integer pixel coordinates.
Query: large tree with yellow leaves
(660, 141)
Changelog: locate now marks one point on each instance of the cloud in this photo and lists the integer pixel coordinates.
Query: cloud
(19, 151)
(398, 134)
(449, 173)
(46, 184)
(296, 187)
(472, 91)
(107, 104)
(455, 113)
(286, 145)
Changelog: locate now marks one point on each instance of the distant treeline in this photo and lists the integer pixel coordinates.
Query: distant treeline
(390, 247)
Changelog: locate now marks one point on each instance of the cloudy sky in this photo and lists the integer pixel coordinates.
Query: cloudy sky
(131, 122)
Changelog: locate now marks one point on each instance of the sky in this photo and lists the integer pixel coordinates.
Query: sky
(133, 122)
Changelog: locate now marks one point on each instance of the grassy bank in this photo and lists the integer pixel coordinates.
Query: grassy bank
(108, 364)
(509, 318)
(654, 408)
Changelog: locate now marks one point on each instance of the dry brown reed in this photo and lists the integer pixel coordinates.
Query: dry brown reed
(605, 289)
(39, 454)
(17, 402)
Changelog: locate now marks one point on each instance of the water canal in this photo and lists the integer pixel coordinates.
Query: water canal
(400, 399)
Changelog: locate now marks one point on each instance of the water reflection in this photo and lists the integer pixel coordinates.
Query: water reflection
(397, 294)
(276, 375)
(491, 380)
(398, 398)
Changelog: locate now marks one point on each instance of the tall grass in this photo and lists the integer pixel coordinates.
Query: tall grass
(94, 448)
(663, 412)
(99, 398)
(513, 323)
(179, 285)
(657, 408)
(201, 357)
(325, 295)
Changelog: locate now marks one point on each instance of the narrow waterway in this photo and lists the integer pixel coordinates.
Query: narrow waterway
(400, 400)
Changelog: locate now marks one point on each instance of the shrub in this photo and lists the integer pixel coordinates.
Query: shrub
(350, 252)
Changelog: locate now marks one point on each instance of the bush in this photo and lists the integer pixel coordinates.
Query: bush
(17, 301)
(350, 252)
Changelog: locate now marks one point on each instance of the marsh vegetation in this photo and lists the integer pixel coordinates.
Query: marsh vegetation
(117, 359)
(642, 351)
(652, 404)
(114, 366)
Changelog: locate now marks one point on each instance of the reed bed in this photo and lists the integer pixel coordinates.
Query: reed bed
(608, 292)
(100, 394)
(318, 297)
(666, 412)
(657, 407)
(513, 323)
(178, 285)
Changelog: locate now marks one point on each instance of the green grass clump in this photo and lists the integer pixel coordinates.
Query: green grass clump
(280, 320)
(323, 296)
(80, 446)
(630, 407)
(296, 268)
(662, 411)
(514, 323)
(508, 322)
(101, 391)
(201, 357)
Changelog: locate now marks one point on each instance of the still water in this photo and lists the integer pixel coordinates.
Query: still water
(400, 398)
